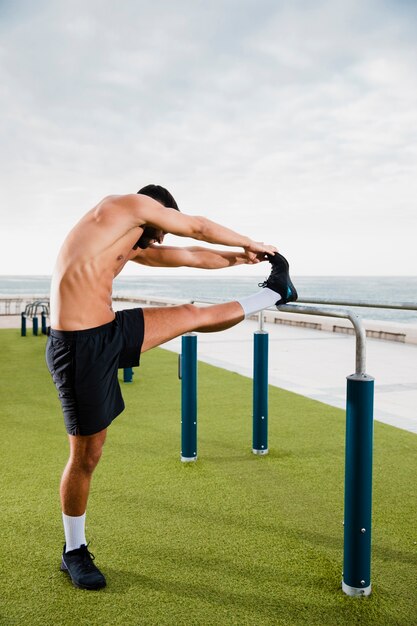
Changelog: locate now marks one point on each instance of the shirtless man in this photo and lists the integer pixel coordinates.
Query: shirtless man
(88, 342)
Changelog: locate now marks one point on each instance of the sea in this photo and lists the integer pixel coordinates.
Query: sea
(375, 289)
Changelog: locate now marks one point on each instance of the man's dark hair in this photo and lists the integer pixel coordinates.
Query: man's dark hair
(160, 194)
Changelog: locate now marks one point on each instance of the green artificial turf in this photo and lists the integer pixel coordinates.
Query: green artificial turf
(231, 539)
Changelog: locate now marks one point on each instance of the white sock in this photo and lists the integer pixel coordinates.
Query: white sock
(74, 528)
(259, 301)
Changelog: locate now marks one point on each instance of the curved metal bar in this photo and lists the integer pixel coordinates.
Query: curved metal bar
(261, 320)
(403, 306)
(343, 313)
(32, 308)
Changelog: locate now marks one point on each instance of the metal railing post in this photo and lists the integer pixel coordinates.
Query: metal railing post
(23, 325)
(43, 323)
(358, 485)
(356, 576)
(127, 374)
(260, 391)
(188, 375)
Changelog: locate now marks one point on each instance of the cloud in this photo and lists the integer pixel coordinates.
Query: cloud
(294, 120)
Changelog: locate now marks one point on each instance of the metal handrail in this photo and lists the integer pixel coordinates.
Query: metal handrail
(360, 333)
(356, 580)
(31, 309)
(404, 306)
(360, 360)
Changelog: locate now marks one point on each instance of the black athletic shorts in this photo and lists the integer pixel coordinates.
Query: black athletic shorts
(84, 364)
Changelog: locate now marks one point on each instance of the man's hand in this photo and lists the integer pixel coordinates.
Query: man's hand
(256, 251)
(250, 258)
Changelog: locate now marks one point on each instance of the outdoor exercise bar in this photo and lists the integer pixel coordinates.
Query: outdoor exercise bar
(260, 390)
(356, 576)
(128, 374)
(23, 324)
(31, 310)
(343, 313)
(43, 323)
(188, 375)
(403, 306)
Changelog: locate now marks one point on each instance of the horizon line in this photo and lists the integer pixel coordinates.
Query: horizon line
(229, 275)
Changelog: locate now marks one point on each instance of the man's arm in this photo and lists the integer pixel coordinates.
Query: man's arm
(140, 210)
(194, 256)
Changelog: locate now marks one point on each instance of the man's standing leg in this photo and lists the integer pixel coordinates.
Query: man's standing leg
(85, 453)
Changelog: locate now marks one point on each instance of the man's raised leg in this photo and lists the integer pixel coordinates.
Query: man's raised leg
(165, 323)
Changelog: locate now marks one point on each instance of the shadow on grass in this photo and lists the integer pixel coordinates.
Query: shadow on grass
(379, 551)
(321, 601)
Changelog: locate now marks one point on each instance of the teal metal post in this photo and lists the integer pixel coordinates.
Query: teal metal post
(23, 325)
(43, 323)
(260, 393)
(127, 375)
(358, 485)
(188, 375)
(35, 324)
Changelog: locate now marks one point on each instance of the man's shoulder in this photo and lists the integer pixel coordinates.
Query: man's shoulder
(109, 201)
(121, 200)
(110, 204)
(120, 209)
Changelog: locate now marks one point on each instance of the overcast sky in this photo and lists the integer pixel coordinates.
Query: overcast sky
(293, 122)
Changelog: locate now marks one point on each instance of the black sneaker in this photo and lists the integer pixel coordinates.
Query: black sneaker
(78, 564)
(279, 279)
